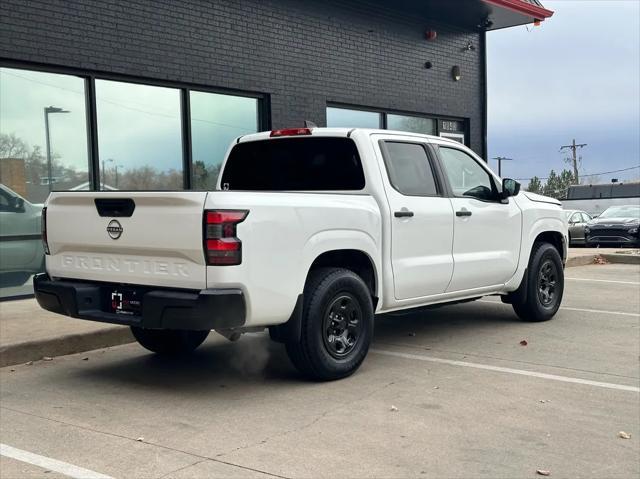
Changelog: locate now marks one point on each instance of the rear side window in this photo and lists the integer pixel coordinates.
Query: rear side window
(308, 164)
(409, 169)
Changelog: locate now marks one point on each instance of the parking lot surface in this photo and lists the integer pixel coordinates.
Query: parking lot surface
(447, 392)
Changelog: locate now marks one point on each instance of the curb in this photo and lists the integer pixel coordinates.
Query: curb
(581, 260)
(609, 257)
(622, 258)
(20, 353)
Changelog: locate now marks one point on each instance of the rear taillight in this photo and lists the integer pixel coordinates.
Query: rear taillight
(291, 132)
(221, 245)
(44, 231)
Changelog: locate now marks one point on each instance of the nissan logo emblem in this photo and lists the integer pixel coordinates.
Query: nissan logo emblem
(114, 229)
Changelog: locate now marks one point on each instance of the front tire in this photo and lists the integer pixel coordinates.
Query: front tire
(337, 325)
(541, 293)
(169, 341)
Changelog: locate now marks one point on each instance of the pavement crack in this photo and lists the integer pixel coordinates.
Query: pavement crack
(200, 461)
(161, 446)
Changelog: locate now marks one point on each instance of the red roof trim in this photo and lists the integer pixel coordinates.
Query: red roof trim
(521, 6)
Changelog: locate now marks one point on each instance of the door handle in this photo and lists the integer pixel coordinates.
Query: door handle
(463, 213)
(403, 214)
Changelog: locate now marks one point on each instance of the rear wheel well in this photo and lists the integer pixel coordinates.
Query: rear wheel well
(554, 238)
(355, 260)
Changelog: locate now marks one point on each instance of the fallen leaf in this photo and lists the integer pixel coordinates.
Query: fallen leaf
(543, 472)
(140, 439)
(85, 359)
(13, 370)
(436, 387)
(394, 409)
(47, 358)
(29, 363)
(523, 342)
(624, 435)
(542, 401)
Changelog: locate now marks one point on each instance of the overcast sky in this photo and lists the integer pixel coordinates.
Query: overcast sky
(575, 76)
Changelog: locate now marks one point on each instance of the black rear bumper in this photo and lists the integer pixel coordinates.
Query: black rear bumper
(161, 308)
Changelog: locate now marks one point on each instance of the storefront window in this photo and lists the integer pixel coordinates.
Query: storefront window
(215, 121)
(414, 124)
(139, 136)
(43, 147)
(344, 118)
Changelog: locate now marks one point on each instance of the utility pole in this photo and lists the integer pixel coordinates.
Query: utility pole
(574, 148)
(500, 160)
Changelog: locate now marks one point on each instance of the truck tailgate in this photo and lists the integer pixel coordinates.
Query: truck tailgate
(95, 236)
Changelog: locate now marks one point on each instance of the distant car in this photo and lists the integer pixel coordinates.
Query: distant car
(616, 226)
(21, 250)
(577, 220)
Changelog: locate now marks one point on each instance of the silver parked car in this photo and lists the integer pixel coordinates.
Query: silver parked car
(21, 251)
(577, 221)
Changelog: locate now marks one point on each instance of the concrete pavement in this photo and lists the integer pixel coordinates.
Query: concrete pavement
(241, 410)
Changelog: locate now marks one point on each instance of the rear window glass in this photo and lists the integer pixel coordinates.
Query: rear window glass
(294, 164)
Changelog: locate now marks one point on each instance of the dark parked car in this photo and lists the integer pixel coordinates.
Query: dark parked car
(577, 220)
(617, 225)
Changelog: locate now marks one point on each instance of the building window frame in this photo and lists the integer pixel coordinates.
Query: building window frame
(90, 77)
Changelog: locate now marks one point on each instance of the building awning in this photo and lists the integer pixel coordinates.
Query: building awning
(484, 14)
(509, 13)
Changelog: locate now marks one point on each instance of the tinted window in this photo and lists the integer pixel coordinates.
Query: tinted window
(409, 169)
(139, 136)
(414, 124)
(215, 121)
(344, 118)
(294, 164)
(466, 176)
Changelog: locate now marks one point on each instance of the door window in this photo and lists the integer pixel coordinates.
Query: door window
(585, 218)
(409, 169)
(576, 218)
(466, 177)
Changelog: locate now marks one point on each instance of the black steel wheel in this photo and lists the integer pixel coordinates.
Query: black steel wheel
(547, 283)
(342, 325)
(539, 296)
(337, 325)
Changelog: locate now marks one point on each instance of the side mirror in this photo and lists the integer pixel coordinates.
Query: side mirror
(18, 204)
(510, 187)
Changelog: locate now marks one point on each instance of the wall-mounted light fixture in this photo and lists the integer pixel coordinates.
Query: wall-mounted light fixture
(455, 73)
(469, 47)
(431, 35)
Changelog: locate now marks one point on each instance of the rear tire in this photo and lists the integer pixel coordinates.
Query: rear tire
(337, 325)
(169, 341)
(544, 285)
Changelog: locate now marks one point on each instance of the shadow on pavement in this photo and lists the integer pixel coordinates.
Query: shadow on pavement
(220, 365)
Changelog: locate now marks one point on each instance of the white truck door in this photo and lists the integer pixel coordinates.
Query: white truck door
(487, 232)
(421, 219)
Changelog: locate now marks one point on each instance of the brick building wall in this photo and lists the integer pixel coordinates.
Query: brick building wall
(302, 54)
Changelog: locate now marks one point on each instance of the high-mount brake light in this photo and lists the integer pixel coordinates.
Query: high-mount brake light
(221, 244)
(45, 244)
(291, 132)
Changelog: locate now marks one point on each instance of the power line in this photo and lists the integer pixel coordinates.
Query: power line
(592, 174)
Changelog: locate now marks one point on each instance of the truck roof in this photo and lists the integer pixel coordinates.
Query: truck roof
(341, 132)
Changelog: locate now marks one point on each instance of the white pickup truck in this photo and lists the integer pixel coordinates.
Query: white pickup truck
(310, 233)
